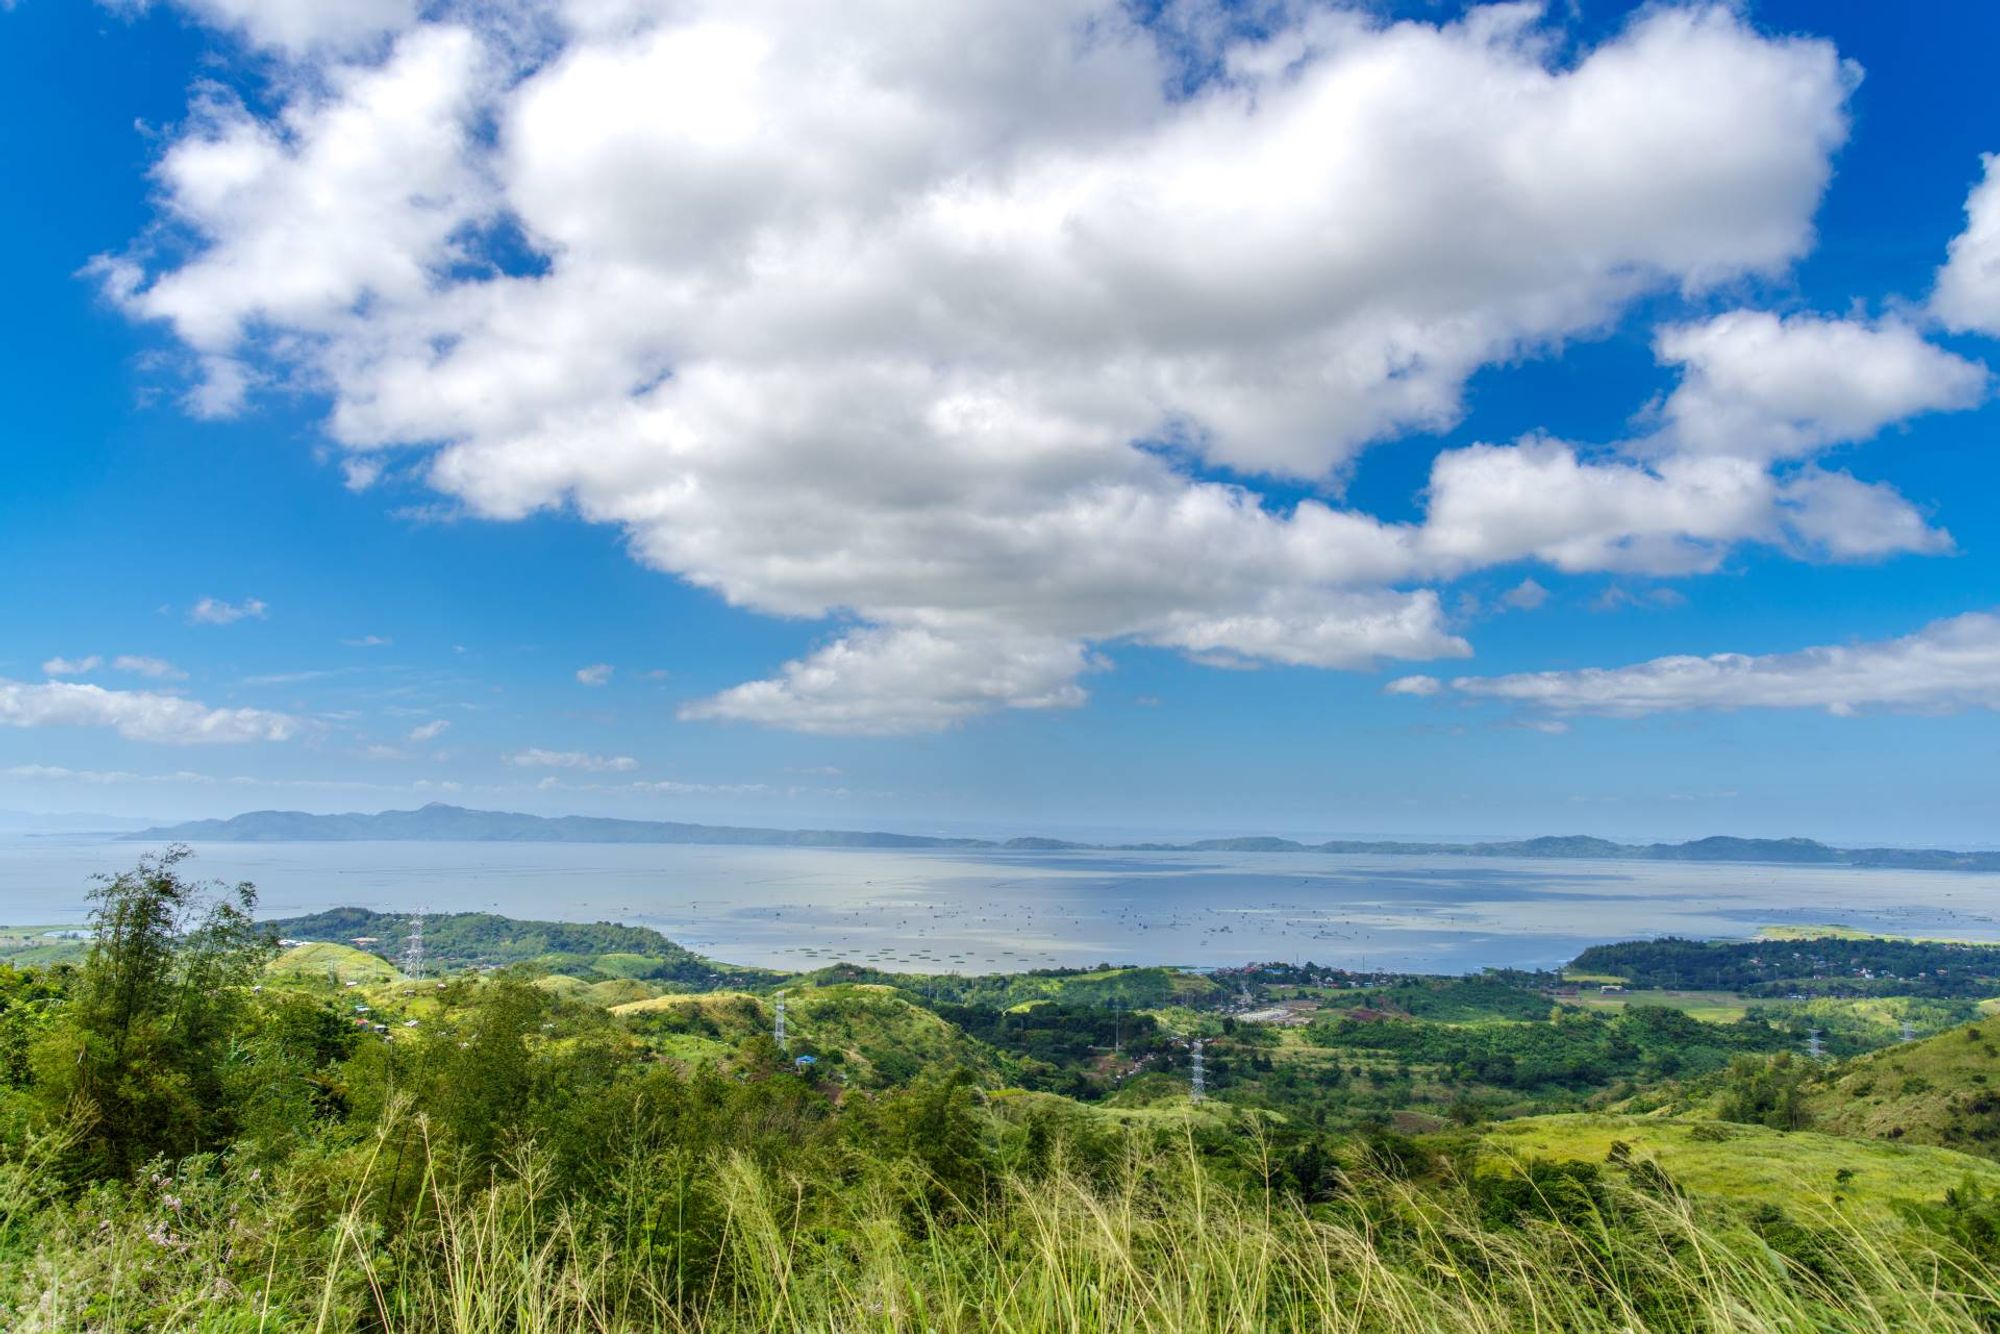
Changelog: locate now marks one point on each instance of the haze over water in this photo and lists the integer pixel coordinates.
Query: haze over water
(796, 908)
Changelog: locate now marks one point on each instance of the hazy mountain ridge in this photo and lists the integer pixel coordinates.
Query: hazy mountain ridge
(438, 822)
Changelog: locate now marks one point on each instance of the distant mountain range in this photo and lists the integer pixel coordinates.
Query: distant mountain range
(438, 822)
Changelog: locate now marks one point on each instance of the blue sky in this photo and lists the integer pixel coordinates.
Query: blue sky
(1048, 421)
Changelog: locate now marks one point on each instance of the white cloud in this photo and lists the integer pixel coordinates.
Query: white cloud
(1758, 386)
(1837, 516)
(352, 193)
(72, 666)
(859, 312)
(430, 731)
(1525, 596)
(890, 681)
(368, 641)
(140, 665)
(1421, 686)
(214, 611)
(1948, 665)
(298, 25)
(1544, 500)
(536, 758)
(1758, 394)
(597, 674)
(1967, 296)
(137, 714)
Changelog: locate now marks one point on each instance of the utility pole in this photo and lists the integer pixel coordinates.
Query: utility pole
(1199, 1090)
(779, 1031)
(413, 947)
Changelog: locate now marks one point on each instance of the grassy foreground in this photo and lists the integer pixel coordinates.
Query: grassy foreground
(1162, 1243)
(198, 1133)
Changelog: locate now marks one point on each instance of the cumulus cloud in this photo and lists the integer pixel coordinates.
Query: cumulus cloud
(1733, 459)
(298, 25)
(597, 674)
(430, 731)
(1967, 295)
(1420, 686)
(1758, 386)
(214, 611)
(891, 681)
(137, 714)
(536, 758)
(72, 666)
(1948, 665)
(878, 312)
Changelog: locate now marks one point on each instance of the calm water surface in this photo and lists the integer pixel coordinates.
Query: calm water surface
(954, 911)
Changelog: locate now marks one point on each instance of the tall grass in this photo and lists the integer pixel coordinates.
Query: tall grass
(1161, 1244)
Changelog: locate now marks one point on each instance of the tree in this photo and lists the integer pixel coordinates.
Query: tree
(1766, 1093)
(139, 1055)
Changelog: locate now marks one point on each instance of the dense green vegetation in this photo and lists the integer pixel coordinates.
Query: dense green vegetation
(1575, 1051)
(479, 940)
(574, 1128)
(1828, 966)
(1943, 1090)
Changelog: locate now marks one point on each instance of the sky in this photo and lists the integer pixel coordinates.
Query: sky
(1404, 419)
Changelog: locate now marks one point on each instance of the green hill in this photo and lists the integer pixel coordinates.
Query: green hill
(1943, 1090)
(42, 946)
(881, 1037)
(1804, 1171)
(454, 941)
(866, 1033)
(1127, 988)
(316, 960)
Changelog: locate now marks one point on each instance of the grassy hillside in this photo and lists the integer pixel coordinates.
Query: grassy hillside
(1942, 1090)
(41, 946)
(318, 960)
(1803, 1171)
(1122, 988)
(590, 950)
(865, 1035)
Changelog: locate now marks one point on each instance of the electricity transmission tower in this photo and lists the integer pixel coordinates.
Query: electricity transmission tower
(1199, 1089)
(413, 946)
(1814, 1047)
(778, 1030)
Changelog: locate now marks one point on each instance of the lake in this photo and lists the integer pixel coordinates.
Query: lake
(799, 908)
